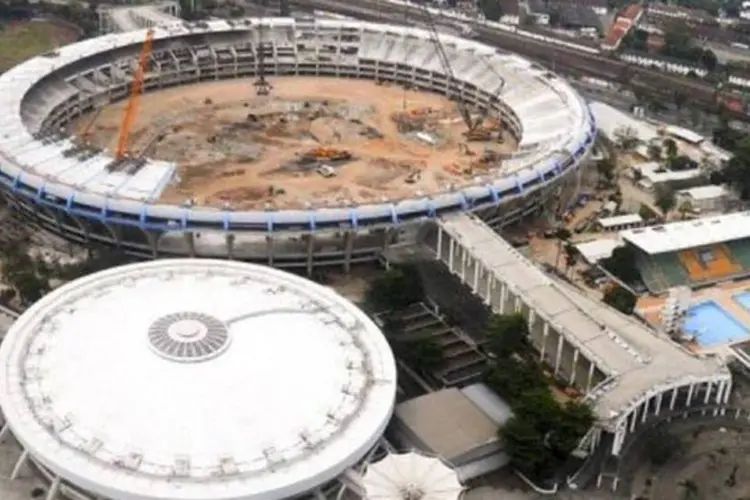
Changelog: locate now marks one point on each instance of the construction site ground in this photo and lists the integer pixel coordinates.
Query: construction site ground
(313, 141)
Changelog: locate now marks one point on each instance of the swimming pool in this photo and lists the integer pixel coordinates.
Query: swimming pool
(743, 299)
(712, 325)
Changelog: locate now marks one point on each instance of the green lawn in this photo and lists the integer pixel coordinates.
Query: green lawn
(21, 40)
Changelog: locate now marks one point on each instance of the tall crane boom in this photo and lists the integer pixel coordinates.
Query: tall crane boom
(463, 109)
(128, 116)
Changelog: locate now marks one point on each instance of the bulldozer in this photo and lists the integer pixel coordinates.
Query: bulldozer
(327, 154)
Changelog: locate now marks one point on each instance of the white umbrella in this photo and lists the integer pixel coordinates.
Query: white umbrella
(411, 476)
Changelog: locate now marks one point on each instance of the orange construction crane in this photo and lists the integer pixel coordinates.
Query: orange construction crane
(128, 115)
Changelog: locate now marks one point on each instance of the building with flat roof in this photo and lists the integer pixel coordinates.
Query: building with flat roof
(187, 379)
(459, 425)
(692, 253)
(704, 198)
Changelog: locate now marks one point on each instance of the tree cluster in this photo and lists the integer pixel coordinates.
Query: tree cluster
(396, 289)
(736, 172)
(28, 277)
(81, 14)
(620, 298)
(679, 44)
(491, 9)
(542, 432)
(622, 263)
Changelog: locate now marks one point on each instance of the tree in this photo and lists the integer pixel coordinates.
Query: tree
(395, 289)
(491, 9)
(622, 263)
(646, 212)
(620, 298)
(22, 272)
(665, 199)
(654, 152)
(424, 355)
(507, 334)
(540, 407)
(563, 235)
(525, 445)
(679, 99)
(737, 170)
(606, 169)
(685, 208)
(512, 377)
(571, 255)
(576, 418)
(670, 148)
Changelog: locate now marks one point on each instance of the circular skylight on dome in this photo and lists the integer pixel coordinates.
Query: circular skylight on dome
(188, 336)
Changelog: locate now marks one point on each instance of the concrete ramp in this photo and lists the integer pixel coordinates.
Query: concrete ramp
(624, 368)
(121, 19)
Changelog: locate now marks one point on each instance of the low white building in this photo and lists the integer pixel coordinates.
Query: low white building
(704, 198)
(652, 174)
(620, 222)
(596, 250)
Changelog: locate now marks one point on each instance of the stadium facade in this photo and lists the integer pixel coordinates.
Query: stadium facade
(129, 385)
(71, 192)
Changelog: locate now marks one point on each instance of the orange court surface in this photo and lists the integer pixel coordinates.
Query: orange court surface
(649, 307)
(312, 142)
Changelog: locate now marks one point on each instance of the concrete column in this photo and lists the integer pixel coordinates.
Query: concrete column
(658, 402)
(503, 297)
(476, 275)
(673, 400)
(728, 391)
(573, 367)
(558, 356)
(709, 386)
(269, 249)
(310, 252)
(348, 250)
(720, 392)
(645, 410)
(451, 254)
(690, 394)
(53, 489)
(464, 265)
(439, 249)
(545, 334)
(490, 281)
(591, 376)
(634, 420)
(19, 464)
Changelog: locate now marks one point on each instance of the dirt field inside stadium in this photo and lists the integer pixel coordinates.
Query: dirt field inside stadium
(313, 141)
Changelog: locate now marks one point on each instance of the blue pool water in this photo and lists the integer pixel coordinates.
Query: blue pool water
(743, 299)
(712, 325)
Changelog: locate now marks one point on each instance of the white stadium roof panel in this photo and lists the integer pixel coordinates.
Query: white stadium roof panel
(556, 118)
(132, 383)
(689, 234)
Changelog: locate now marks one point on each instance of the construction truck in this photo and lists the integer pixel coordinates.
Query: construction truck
(327, 154)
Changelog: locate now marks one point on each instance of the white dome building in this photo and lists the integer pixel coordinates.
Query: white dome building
(195, 380)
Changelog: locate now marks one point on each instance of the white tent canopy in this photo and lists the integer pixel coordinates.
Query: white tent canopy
(411, 476)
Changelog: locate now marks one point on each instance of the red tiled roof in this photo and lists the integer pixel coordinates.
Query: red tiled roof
(623, 23)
